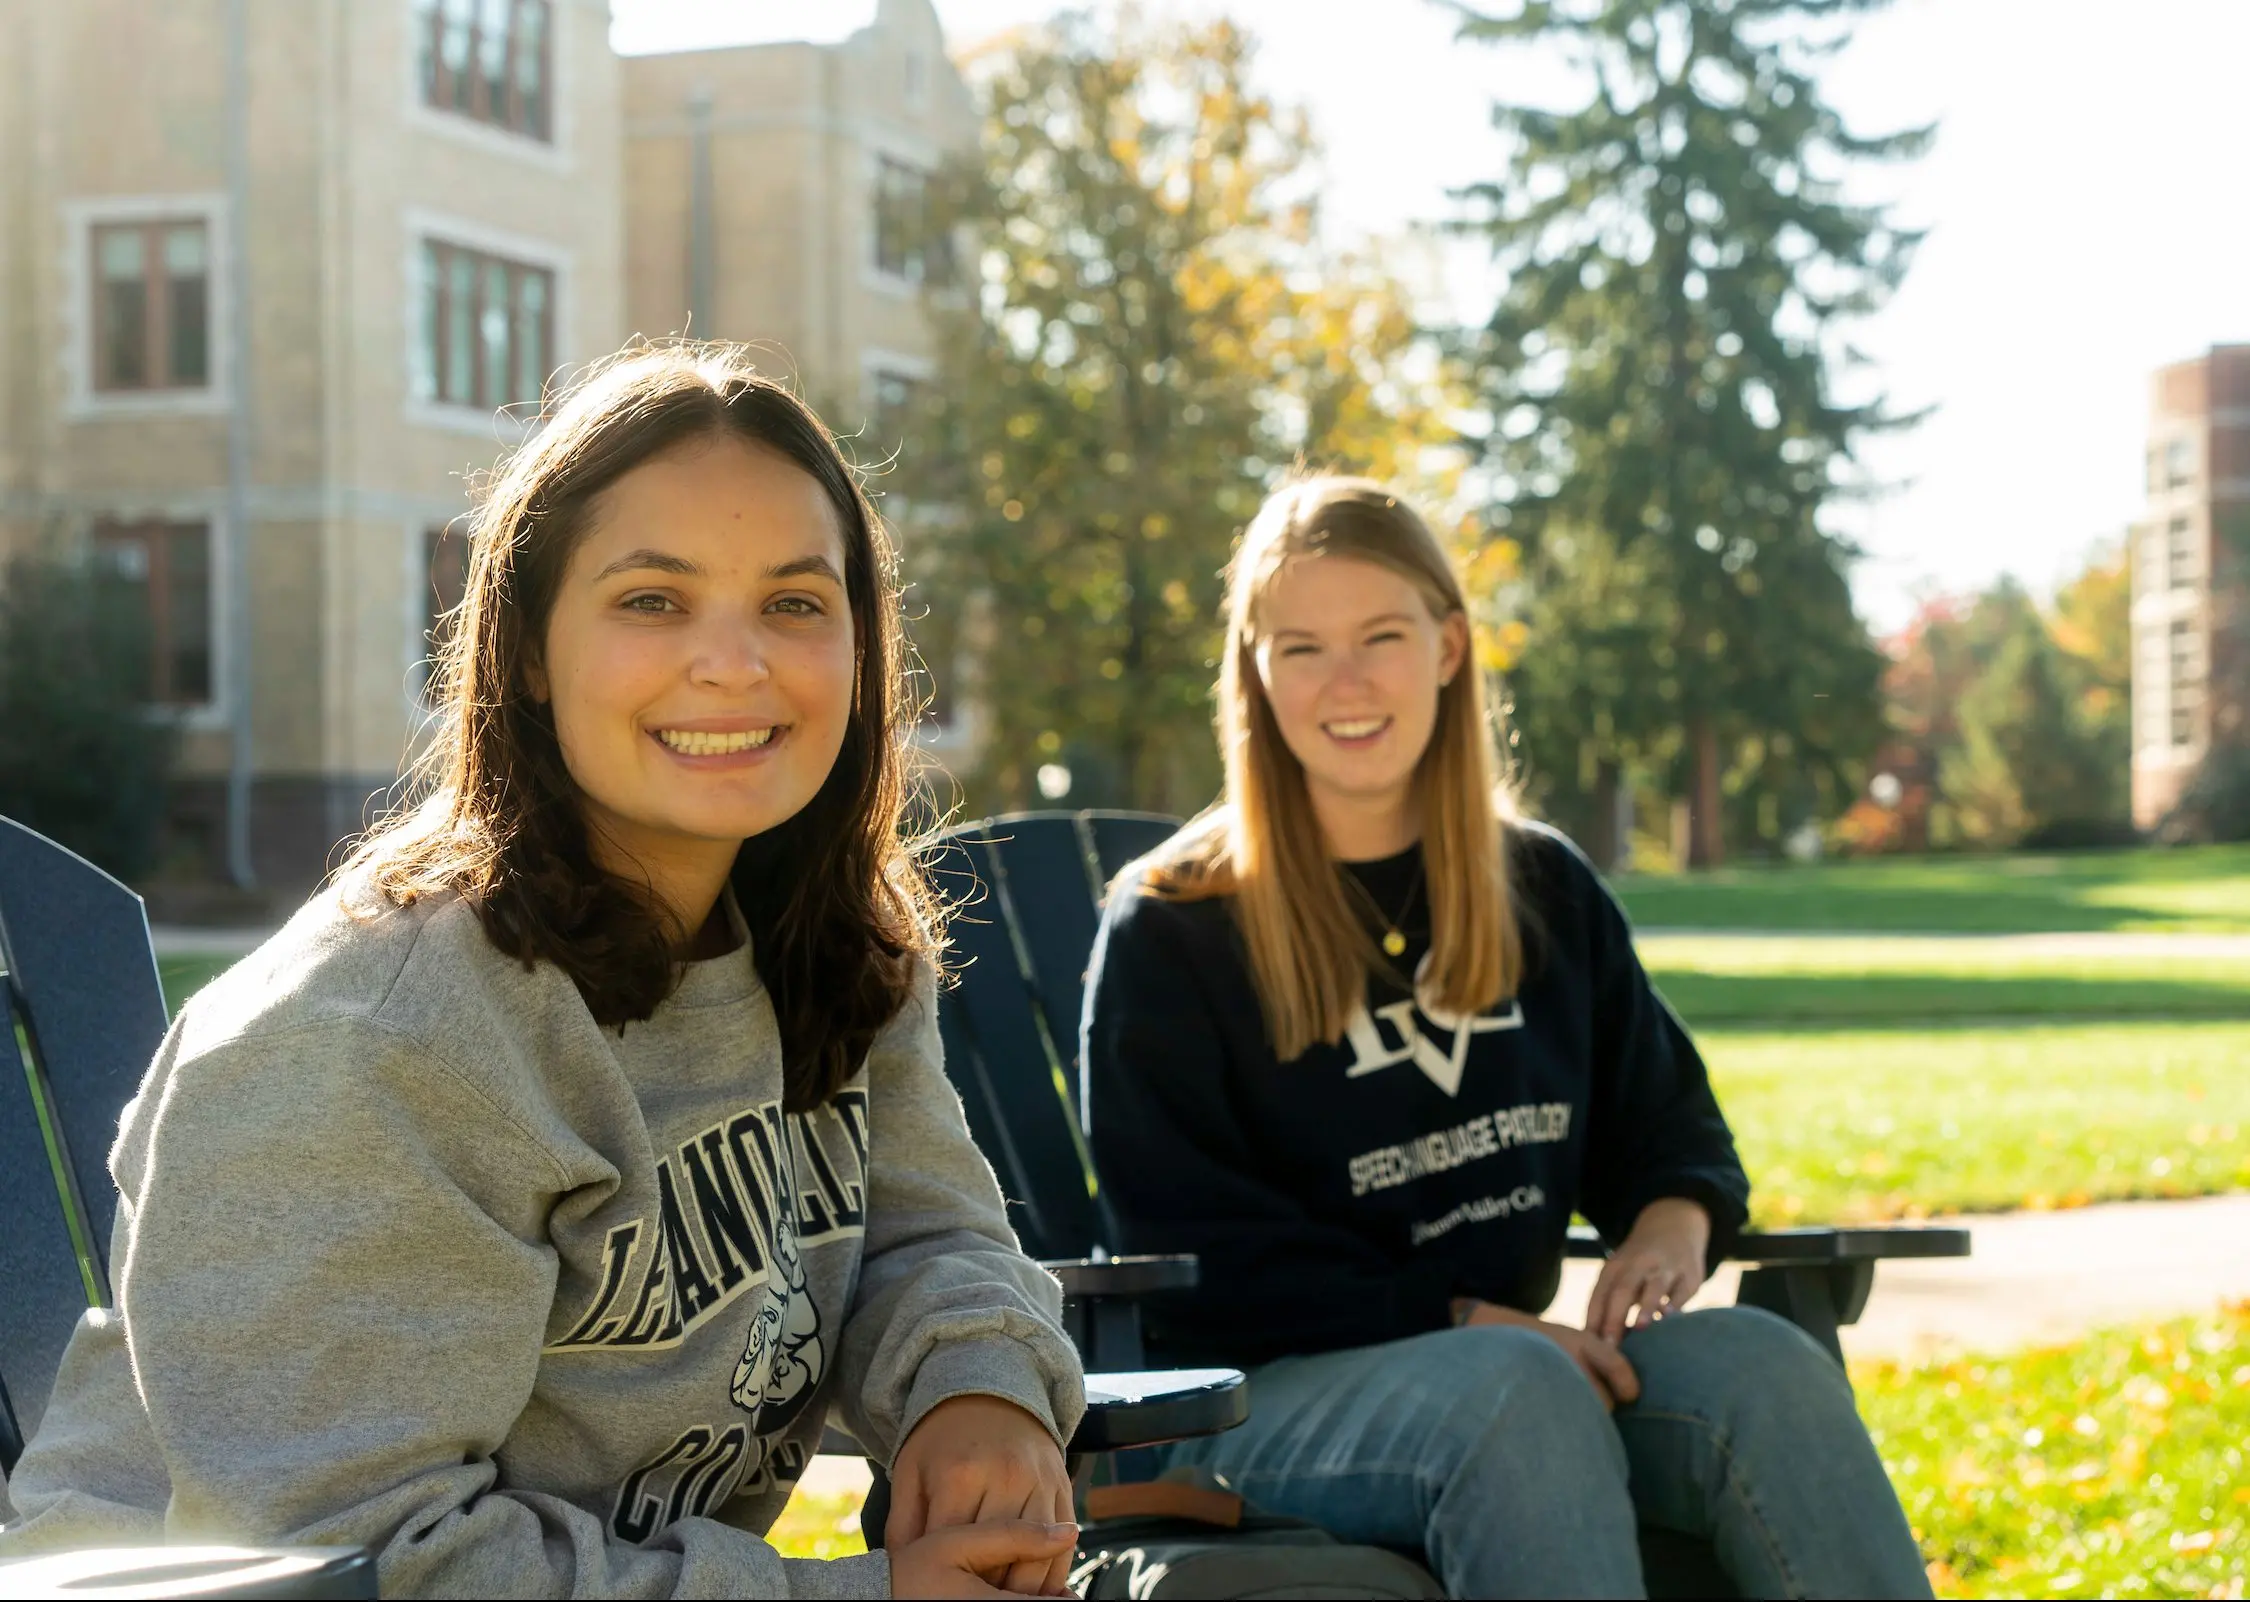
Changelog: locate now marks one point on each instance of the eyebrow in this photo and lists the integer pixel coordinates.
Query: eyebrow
(1365, 623)
(807, 567)
(645, 560)
(661, 561)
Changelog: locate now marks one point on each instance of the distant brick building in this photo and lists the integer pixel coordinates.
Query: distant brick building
(444, 202)
(2191, 575)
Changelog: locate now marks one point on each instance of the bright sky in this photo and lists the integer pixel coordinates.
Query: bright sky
(2083, 199)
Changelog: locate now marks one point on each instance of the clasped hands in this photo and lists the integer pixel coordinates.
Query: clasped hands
(1656, 1270)
(980, 1505)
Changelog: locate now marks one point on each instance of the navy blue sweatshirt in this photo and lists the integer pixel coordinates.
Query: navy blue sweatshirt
(1345, 1197)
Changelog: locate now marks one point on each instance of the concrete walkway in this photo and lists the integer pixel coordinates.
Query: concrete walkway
(2032, 1278)
(180, 940)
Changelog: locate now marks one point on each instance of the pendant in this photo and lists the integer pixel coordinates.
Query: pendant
(1394, 943)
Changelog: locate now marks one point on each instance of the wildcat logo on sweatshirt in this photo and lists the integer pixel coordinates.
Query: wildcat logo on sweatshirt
(736, 1204)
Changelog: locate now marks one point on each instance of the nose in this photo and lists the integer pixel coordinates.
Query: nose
(730, 654)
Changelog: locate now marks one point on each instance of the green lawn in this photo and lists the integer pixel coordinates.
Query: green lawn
(1904, 982)
(818, 1527)
(1860, 1125)
(2206, 889)
(2113, 1466)
(184, 976)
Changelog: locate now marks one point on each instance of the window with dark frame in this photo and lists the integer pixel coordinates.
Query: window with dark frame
(2180, 554)
(170, 565)
(491, 60)
(152, 305)
(488, 329)
(2187, 681)
(908, 242)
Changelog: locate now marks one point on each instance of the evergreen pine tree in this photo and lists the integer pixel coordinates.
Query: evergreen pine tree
(1661, 374)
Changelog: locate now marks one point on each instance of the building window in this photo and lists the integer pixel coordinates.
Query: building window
(488, 329)
(152, 306)
(2187, 663)
(492, 60)
(907, 244)
(170, 565)
(2179, 554)
(2179, 464)
(2187, 701)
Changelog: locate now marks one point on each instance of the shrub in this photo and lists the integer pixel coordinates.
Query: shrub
(81, 758)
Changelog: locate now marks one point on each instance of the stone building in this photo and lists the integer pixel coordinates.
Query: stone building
(2191, 575)
(252, 344)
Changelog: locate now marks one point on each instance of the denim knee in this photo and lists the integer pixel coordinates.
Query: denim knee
(1513, 1387)
(1736, 1362)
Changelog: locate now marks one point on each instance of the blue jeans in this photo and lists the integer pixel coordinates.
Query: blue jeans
(1487, 1449)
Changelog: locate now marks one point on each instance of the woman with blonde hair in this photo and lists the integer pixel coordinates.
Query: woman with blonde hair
(1364, 1039)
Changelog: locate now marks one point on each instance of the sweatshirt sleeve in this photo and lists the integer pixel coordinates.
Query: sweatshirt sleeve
(334, 1283)
(947, 1304)
(1654, 1128)
(1184, 1174)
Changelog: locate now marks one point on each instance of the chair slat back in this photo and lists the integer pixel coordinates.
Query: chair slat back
(1119, 837)
(42, 1291)
(81, 985)
(84, 973)
(1024, 890)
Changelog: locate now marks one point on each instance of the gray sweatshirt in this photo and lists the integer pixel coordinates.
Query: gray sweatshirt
(412, 1254)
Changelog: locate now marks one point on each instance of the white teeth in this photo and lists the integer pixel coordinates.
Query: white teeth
(1357, 729)
(697, 742)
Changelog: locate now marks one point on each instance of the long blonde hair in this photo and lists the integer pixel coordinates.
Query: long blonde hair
(1310, 953)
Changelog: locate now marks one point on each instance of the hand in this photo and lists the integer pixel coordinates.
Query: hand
(1657, 1269)
(1599, 1360)
(979, 1460)
(954, 1562)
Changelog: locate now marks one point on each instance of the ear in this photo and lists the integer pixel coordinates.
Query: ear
(535, 681)
(1453, 646)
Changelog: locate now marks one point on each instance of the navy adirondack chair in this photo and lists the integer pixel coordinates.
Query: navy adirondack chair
(1027, 889)
(80, 990)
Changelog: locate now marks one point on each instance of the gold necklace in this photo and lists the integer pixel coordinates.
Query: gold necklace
(1393, 941)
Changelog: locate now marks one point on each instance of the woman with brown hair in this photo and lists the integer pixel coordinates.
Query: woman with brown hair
(520, 1210)
(1364, 1039)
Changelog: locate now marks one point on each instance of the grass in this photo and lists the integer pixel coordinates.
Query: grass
(1863, 1125)
(183, 976)
(2113, 1466)
(2205, 889)
(819, 1527)
(1905, 982)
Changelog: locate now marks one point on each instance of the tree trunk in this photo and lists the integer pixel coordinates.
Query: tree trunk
(1607, 839)
(1706, 834)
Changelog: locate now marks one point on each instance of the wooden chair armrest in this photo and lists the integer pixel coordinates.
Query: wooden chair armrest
(343, 1572)
(1818, 1244)
(1124, 1276)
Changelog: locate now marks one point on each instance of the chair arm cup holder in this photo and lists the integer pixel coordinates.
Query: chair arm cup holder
(275, 1572)
(1148, 1409)
(1123, 1276)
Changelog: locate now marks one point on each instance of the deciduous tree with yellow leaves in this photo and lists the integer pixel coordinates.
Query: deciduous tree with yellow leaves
(1150, 333)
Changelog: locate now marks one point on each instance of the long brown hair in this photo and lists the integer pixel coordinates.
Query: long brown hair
(1310, 953)
(839, 916)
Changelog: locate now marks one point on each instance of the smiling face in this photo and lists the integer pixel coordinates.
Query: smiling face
(699, 659)
(1352, 659)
